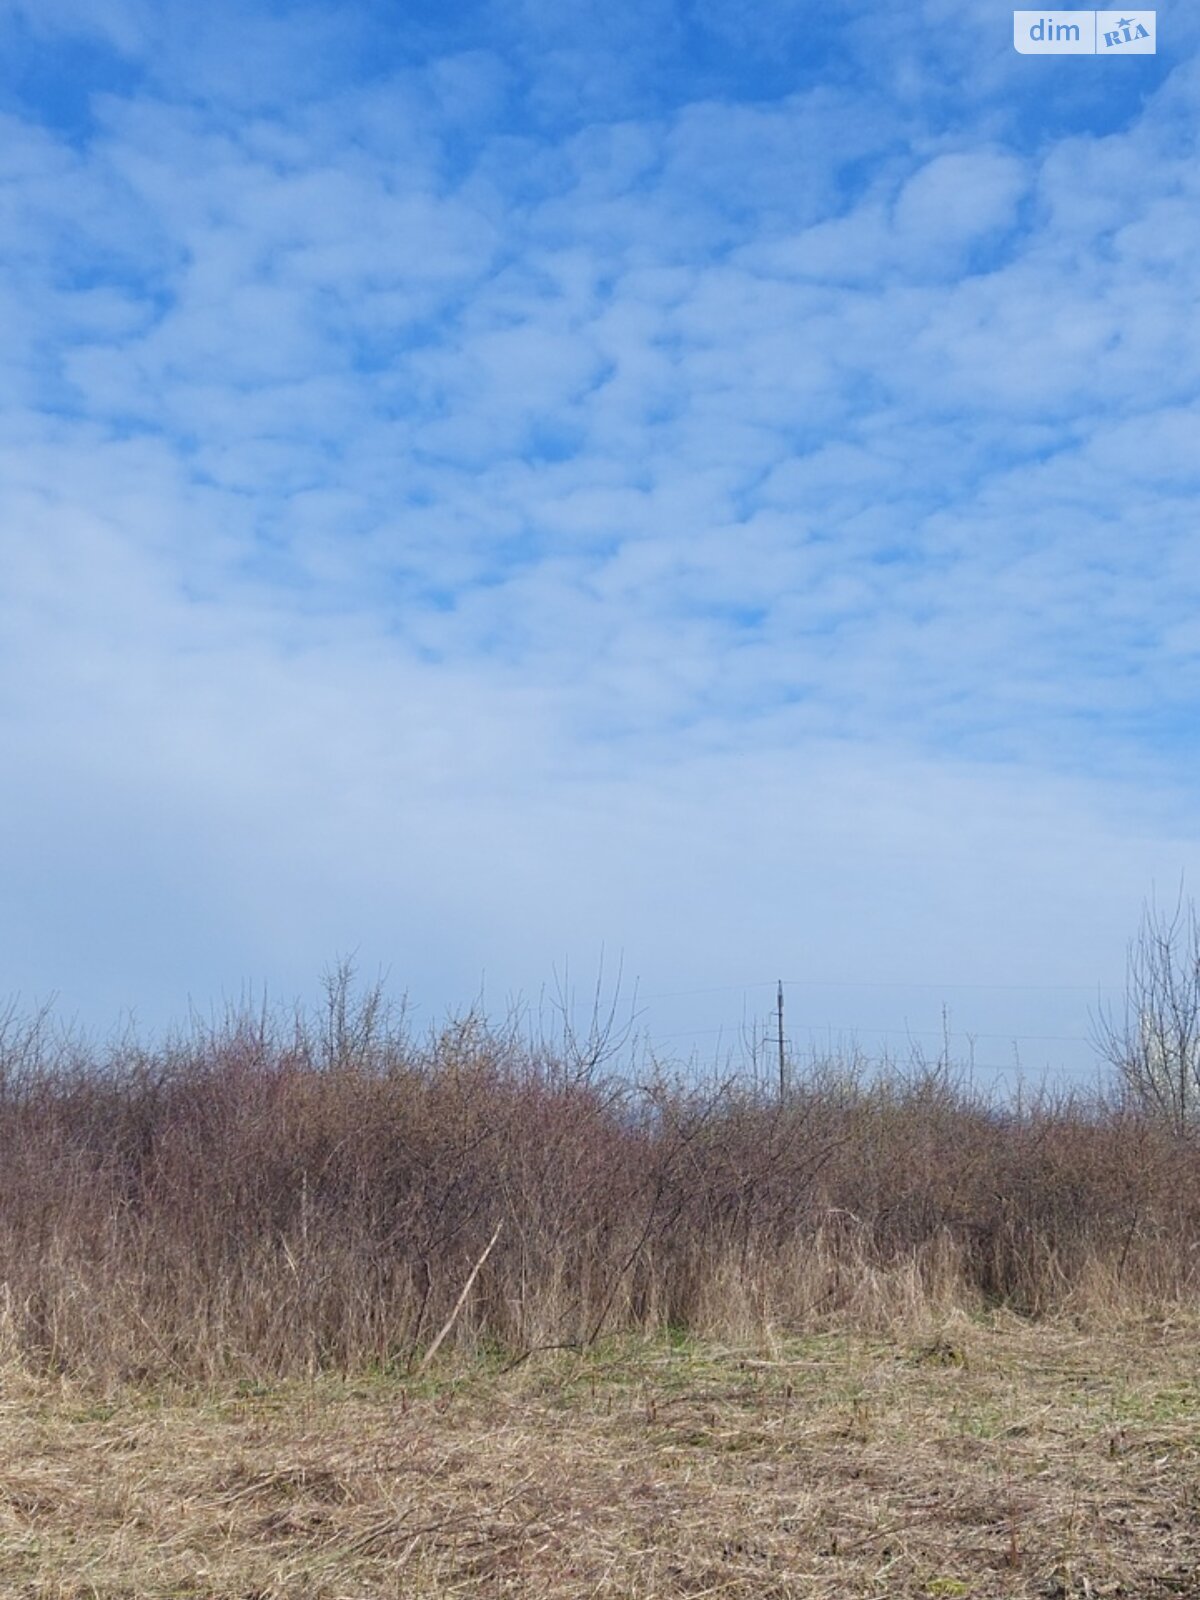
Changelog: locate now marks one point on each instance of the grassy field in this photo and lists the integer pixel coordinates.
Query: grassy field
(317, 1311)
(986, 1457)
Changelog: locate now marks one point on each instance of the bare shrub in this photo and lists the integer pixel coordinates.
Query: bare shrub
(281, 1194)
(1155, 1045)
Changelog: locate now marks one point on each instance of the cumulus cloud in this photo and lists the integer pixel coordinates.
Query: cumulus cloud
(956, 200)
(727, 523)
(121, 24)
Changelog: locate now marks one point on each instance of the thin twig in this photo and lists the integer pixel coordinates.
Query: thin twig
(459, 1303)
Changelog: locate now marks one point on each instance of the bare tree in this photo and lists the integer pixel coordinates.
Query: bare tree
(1155, 1047)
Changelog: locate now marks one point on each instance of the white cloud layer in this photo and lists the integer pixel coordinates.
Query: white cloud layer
(751, 536)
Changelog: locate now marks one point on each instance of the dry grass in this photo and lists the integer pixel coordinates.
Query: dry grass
(276, 1306)
(274, 1198)
(970, 1458)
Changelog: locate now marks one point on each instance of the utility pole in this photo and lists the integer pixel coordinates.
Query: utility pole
(779, 1018)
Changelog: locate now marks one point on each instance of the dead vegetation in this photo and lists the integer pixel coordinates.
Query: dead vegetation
(967, 1458)
(272, 1198)
(312, 1311)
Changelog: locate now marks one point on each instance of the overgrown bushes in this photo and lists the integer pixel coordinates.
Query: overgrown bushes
(264, 1198)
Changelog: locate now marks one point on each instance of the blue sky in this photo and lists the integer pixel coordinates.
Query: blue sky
(710, 483)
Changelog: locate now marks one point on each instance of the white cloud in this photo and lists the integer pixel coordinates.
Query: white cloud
(957, 199)
(120, 23)
(662, 539)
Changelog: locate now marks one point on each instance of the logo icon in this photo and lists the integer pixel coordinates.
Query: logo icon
(1125, 33)
(1084, 33)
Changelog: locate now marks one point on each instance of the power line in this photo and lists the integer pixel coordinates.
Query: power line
(1096, 1069)
(955, 1033)
(903, 983)
(720, 988)
(833, 1035)
(877, 983)
(935, 1033)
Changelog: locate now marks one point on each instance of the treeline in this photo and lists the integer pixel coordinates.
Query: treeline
(274, 1196)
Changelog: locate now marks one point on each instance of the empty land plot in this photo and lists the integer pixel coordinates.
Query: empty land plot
(979, 1459)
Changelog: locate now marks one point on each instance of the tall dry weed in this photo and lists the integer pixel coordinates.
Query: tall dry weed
(271, 1196)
